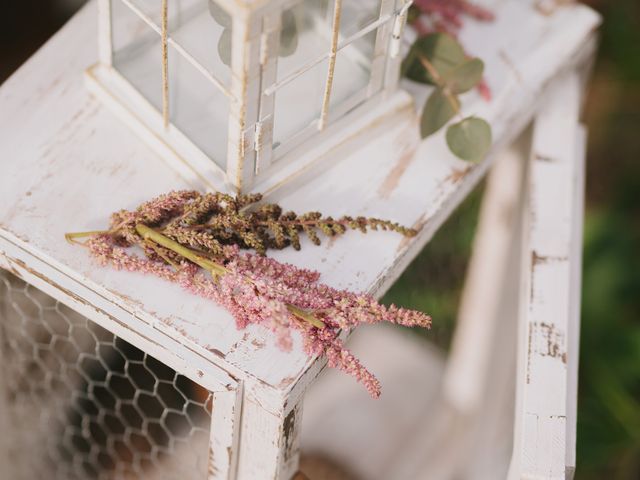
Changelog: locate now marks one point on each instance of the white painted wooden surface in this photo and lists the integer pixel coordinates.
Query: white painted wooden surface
(457, 420)
(478, 317)
(67, 164)
(466, 433)
(545, 413)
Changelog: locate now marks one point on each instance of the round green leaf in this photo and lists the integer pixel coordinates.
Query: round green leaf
(413, 14)
(221, 17)
(438, 110)
(288, 34)
(470, 139)
(224, 46)
(440, 49)
(465, 76)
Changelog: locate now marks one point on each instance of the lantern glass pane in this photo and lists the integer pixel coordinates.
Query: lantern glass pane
(298, 103)
(203, 29)
(197, 108)
(150, 8)
(353, 72)
(357, 14)
(306, 36)
(137, 53)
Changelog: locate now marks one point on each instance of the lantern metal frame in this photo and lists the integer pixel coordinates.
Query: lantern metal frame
(253, 160)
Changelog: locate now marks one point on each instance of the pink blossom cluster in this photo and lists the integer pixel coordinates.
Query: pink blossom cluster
(260, 290)
(446, 15)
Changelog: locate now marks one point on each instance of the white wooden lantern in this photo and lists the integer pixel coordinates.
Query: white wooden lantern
(247, 92)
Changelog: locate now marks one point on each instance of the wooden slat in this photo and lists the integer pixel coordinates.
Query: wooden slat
(468, 362)
(134, 329)
(270, 442)
(105, 41)
(270, 45)
(573, 332)
(225, 435)
(543, 436)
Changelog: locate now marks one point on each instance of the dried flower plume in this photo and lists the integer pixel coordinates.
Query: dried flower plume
(195, 239)
(210, 221)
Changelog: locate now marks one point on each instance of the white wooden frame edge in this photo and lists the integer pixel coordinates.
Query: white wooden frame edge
(226, 390)
(544, 431)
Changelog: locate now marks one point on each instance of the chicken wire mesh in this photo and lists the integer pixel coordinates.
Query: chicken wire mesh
(81, 403)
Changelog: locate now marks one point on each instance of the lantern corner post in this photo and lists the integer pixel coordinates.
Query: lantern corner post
(245, 93)
(105, 32)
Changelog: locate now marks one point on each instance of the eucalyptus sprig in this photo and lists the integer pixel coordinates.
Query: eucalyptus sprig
(438, 59)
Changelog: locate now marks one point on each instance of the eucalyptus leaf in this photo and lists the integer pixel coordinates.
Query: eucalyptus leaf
(440, 49)
(465, 76)
(438, 110)
(288, 34)
(413, 14)
(224, 47)
(221, 17)
(470, 139)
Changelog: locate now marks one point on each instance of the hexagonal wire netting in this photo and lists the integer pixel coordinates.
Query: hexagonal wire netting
(81, 403)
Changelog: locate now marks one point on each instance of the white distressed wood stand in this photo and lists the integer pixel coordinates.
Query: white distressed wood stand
(502, 405)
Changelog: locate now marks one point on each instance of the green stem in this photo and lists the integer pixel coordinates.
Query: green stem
(306, 316)
(440, 82)
(214, 268)
(159, 252)
(70, 237)
(209, 265)
(432, 70)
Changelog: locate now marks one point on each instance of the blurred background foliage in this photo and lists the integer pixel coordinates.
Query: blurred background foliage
(609, 394)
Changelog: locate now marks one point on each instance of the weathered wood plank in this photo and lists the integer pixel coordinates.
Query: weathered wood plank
(270, 442)
(225, 435)
(70, 163)
(573, 332)
(478, 314)
(543, 436)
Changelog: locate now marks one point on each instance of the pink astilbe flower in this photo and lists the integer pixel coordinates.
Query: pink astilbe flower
(195, 240)
(107, 252)
(446, 15)
(327, 342)
(262, 291)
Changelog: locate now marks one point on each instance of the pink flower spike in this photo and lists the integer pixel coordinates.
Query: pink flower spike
(255, 290)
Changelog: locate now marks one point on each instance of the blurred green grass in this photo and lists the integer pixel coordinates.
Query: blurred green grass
(609, 389)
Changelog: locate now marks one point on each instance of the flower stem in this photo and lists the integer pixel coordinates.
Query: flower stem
(209, 265)
(71, 237)
(214, 268)
(432, 70)
(306, 316)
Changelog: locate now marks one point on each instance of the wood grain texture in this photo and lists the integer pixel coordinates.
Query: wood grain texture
(67, 163)
(545, 412)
